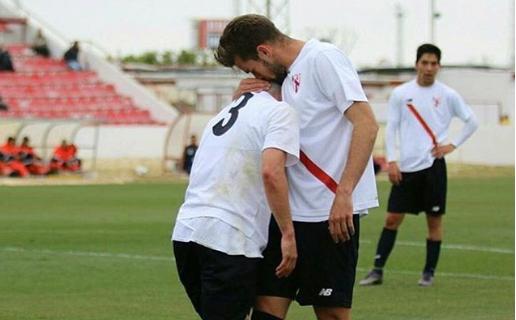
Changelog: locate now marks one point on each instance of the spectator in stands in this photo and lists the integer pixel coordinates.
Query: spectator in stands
(10, 159)
(71, 57)
(5, 170)
(6, 63)
(28, 157)
(65, 158)
(3, 105)
(189, 154)
(9, 150)
(39, 46)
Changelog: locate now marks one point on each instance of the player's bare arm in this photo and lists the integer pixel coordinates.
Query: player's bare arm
(394, 173)
(251, 85)
(276, 190)
(363, 137)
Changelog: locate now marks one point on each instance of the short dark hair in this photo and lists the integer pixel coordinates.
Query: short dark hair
(428, 48)
(241, 37)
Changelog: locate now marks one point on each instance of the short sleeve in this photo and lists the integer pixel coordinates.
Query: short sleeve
(338, 79)
(282, 132)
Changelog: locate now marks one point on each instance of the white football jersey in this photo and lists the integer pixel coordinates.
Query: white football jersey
(321, 84)
(437, 105)
(225, 206)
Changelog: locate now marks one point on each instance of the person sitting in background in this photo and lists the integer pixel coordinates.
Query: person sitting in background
(10, 159)
(189, 154)
(5, 170)
(65, 158)
(30, 160)
(6, 63)
(39, 46)
(71, 57)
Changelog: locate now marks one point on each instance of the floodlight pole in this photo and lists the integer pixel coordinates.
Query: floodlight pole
(276, 10)
(399, 34)
(511, 35)
(434, 15)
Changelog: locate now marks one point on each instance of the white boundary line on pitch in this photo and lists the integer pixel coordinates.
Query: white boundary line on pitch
(464, 247)
(446, 274)
(90, 254)
(171, 258)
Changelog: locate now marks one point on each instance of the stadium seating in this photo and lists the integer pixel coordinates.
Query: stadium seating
(45, 88)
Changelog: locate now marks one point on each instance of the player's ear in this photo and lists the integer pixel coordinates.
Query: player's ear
(264, 52)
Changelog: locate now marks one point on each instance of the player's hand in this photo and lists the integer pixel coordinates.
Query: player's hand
(289, 256)
(441, 151)
(394, 173)
(341, 218)
(251, 85)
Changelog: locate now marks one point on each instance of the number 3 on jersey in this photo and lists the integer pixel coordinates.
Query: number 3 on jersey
(219, 128)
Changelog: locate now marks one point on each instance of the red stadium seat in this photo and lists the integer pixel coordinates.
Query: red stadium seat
(45, 88)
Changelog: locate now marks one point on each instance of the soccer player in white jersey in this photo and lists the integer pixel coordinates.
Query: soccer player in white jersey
(238, 177)
(420, 112)
(333, 184)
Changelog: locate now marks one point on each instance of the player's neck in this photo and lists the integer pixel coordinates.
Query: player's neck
(423, 83)
(290, 51)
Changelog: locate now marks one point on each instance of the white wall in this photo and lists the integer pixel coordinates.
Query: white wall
(125, 141)
(479, 86)
(489, 145)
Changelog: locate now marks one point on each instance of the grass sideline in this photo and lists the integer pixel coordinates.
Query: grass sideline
(109, 173)
(103, 252)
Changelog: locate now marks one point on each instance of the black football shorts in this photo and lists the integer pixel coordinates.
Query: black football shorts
(325, 272)
(418, 191)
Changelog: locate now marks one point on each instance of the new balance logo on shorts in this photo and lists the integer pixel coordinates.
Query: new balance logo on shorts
(325, 292)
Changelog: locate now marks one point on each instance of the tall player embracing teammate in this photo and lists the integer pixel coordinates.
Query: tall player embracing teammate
(334, 183)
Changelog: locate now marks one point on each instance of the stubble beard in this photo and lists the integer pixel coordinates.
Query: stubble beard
(279, 71)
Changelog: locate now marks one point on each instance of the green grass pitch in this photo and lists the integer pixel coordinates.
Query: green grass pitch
(103, 252)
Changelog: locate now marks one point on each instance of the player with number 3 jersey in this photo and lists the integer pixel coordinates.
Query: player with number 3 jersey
(238, 177)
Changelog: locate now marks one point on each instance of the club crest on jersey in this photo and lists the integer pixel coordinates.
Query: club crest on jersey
(437, 101)
(296, 81)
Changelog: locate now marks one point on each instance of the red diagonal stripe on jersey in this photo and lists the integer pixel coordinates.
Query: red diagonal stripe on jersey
(423, 123)
(318, 172)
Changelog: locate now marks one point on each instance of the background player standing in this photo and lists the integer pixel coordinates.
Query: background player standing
(420, 112)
